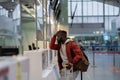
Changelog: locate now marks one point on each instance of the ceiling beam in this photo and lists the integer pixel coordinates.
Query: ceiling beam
(28, 11)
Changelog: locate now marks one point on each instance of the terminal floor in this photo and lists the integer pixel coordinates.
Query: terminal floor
(103, 67)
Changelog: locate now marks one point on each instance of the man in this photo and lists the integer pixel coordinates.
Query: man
(81, 45)
(64, 47)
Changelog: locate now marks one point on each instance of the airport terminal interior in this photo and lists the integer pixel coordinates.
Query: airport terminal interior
(26, 28)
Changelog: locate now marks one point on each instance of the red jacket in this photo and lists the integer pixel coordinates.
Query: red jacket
(75, 49)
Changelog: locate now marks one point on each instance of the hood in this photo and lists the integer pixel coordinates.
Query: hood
(68, 40)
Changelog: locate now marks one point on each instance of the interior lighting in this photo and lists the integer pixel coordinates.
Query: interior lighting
(52, 22)
(97, 32)
(72, 37)
(116, 37)
(94, 32)
(12, 0)
(101, 32)
(39, 1)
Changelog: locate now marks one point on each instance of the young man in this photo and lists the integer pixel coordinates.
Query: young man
(64, 46)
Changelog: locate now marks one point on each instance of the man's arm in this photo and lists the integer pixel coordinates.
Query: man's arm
(52, 43)
(77, 52)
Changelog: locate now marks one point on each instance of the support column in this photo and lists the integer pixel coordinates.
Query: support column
(63, 21)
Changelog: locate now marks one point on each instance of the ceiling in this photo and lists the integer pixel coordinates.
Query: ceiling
(28, 6)
(9, 4)
(27, 10)
(110, 2)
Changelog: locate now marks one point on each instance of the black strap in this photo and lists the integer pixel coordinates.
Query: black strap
(71, 50)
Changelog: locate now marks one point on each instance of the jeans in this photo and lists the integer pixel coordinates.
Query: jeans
(67, 75)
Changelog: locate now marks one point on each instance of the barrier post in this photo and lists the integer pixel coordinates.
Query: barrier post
(93, 49)
(93, 58)
(81, 75)
(115, 51)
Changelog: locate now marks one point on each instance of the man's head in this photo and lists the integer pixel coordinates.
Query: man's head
(61, 36)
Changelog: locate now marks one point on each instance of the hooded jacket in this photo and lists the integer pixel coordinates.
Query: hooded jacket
(69, 45)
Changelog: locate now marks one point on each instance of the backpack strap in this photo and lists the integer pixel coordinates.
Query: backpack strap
(71, 50)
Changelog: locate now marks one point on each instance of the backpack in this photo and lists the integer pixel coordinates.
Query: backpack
(83, 64)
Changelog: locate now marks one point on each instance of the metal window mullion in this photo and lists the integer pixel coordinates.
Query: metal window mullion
(46, 22)
(97, 12)
(87, 11)
(49, 22)
(36, 21)
(82, 11)
(104, 15)
(98, 16)
(113, 9)
(108, 19)
(92, 8)
(119, 8)
(71, 7)
(43, 23)
(21, 36)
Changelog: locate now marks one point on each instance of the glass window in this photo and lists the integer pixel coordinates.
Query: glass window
(116, 9)
(92, 11)
(79, 9)
(71, 7)
(106, 9)
(111, 10)
(85, 20)
(95, 10)
(89, 8)
(69, 11)
(85, 11)
(100, 19)
(92, 8)
(100, 8)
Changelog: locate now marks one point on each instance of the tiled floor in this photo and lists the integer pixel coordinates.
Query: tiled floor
(103, 67)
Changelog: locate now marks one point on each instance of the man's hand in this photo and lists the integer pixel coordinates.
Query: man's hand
(69, 66)
(71, 69)
(57, 33)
